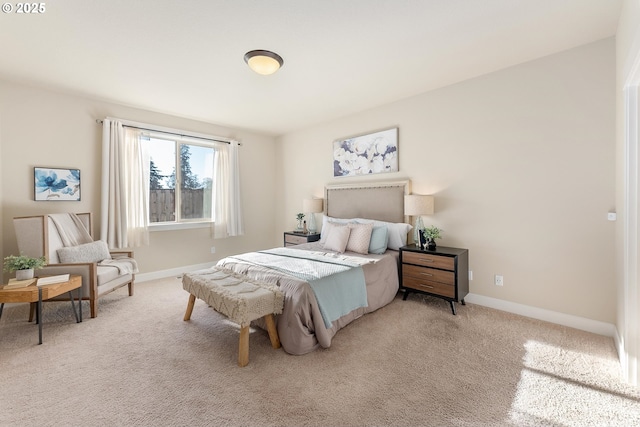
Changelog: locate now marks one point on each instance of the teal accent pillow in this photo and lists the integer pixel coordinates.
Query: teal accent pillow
(379, 240)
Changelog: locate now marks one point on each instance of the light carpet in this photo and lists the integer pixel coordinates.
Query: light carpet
(411, 363)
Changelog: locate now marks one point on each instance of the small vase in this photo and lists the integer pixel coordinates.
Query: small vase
(299, 227)
(24, 274)
(431, 245)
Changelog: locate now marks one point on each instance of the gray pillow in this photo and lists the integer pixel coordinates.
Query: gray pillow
(88, 252)
(379, 239)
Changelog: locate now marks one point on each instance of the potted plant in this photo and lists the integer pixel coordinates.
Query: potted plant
(300, 217)
(430, 235)
(23, 265)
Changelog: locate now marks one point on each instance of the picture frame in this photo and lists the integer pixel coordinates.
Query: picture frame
(366, 154)
(56, 184)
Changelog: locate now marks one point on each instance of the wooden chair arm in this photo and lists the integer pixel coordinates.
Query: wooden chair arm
(121, 254)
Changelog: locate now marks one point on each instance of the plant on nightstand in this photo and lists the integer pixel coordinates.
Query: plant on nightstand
(430, 235)
(300, 217)
(23, 265)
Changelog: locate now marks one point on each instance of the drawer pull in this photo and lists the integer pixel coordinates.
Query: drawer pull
(426, 259)
(426, 274)
(427, 286)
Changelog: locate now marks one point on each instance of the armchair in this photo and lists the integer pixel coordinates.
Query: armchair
(66, 242)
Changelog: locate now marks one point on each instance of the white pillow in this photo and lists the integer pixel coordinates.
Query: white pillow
(397, 232)
(337, 239)
(359, 238)
(88, 252)
(327, 223)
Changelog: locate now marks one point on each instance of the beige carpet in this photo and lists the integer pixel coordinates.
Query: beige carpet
(411, 363)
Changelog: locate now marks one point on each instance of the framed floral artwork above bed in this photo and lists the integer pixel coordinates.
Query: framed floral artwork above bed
(366, 154)
(53, 184)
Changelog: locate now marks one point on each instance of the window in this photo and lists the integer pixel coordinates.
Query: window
(196, 178)
(186, 196)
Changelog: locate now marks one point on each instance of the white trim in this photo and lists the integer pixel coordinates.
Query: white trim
(170, 226)
(178, 271)
(584, 324)
(629, 340)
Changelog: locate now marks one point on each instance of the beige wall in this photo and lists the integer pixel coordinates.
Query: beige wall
(522, 165)
(521, 162)
(44, 128)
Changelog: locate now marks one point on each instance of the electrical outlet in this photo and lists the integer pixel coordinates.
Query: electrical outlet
(498, 280)
(470, 275)
(213, 249)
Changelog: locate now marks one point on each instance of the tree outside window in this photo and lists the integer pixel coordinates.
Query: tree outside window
(194, 182)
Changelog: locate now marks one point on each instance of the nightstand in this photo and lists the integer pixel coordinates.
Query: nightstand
(292, 238)
(443, 273)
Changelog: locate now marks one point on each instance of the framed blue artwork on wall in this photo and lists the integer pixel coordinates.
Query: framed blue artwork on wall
(53, 184)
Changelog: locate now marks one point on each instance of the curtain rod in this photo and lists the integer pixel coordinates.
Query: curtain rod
(169, 133)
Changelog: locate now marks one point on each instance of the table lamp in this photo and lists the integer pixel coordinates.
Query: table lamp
(418, 205)
(312, 206)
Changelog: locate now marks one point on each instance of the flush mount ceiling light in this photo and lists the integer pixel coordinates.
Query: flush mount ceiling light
(263, 61)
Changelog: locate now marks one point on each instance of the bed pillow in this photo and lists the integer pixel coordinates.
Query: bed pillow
(379, 239)
(327, 223)
(397, 232)
(359, 238)
(88, 252)
(337, 239)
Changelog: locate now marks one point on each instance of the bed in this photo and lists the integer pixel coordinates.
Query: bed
(304, 324)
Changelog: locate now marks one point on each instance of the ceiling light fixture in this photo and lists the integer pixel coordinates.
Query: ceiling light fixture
(263, 61)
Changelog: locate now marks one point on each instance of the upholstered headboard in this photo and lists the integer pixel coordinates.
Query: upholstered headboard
(382, 201)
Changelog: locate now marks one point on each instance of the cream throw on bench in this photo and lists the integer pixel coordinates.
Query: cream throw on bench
(238, 297)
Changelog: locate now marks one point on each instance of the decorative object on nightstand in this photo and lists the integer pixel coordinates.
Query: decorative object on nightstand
(312, 207)
(430, 235)
(443, 273)
(292, 238)
(418, 205)
(299, 218)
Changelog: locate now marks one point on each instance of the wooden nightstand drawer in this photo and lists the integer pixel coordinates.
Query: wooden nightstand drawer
(428, 260)
(430, 274)
(430, 286)
(295, 240)
(291, 238)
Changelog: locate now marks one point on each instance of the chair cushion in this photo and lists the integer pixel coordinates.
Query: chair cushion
(107, 274)
(88, 252)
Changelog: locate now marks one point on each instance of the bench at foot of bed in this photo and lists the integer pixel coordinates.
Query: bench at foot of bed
(239, 298)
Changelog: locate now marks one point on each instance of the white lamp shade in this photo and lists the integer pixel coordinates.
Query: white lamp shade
(312, 205)
(416, 204)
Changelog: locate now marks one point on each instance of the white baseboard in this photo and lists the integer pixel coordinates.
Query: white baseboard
(145, 277)
(584, 324)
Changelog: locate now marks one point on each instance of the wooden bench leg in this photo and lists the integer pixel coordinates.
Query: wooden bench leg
(243, 349)
(32, 310)
(273, 332)
(192, 301)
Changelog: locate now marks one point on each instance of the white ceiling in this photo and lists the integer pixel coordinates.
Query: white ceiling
(185, 58)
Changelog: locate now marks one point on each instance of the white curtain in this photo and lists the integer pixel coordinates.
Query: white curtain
(228, 208)
(125, 178)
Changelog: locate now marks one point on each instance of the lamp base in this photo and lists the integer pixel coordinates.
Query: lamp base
(417, 229)
(313, 228)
